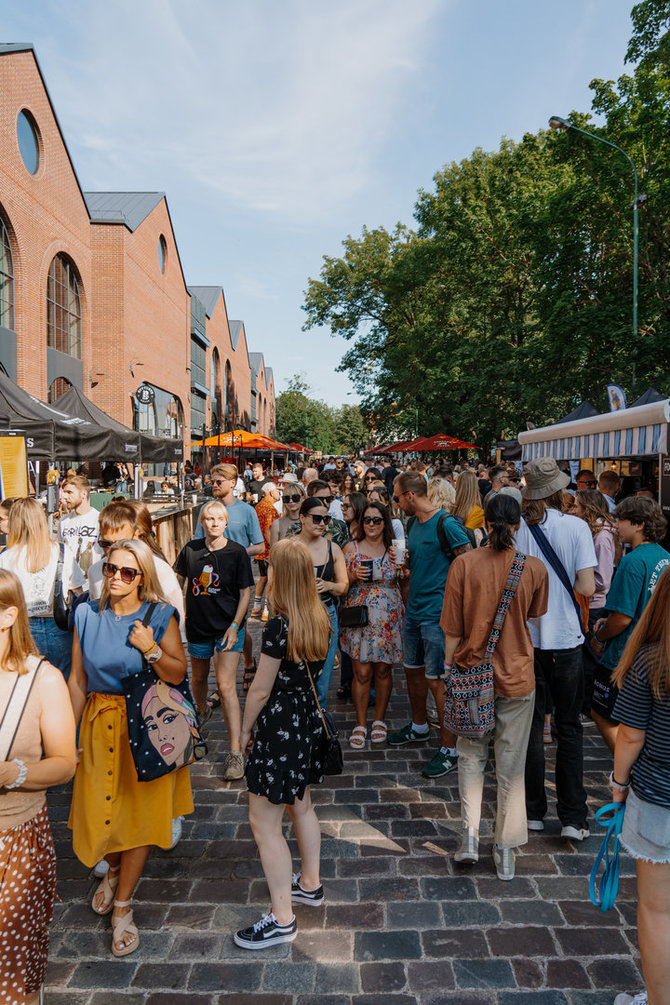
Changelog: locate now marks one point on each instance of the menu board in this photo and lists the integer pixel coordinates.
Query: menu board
(664, 481)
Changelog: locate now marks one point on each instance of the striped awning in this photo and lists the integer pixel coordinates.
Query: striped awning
(630, 432)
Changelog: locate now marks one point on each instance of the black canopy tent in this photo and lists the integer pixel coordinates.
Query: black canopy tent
(52, 434)
(152, 449)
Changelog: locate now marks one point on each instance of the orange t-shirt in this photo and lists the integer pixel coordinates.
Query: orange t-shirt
(471, 597)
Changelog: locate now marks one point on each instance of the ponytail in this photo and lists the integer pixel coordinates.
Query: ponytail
(503, 514)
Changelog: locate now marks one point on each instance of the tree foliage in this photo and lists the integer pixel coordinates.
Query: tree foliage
(303, 419)
(511, 298)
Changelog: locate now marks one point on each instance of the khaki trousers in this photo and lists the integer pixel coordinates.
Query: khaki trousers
(510, 742)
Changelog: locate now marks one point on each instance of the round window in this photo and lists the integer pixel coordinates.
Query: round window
(162, 252)
(29, 140)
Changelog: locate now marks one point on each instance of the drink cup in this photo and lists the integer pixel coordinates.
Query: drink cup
(367, 566)
(399, 548)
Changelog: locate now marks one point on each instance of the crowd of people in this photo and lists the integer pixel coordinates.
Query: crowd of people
(562, 586)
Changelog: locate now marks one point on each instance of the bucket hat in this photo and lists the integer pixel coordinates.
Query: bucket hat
(543, 478)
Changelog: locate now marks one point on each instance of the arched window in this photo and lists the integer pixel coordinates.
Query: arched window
(228, 397)
(57, 388)
(6, 280)
(215, 389)
(63, 308)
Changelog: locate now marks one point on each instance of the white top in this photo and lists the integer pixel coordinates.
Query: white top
(398, 529)
(571, 539)
(335, 510)
(38, 587)
(167, 578)
(79, 531)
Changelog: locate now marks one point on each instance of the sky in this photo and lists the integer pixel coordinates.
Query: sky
(277, 128)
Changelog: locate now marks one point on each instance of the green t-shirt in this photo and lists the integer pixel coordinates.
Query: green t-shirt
(633, 584)
(429, 565)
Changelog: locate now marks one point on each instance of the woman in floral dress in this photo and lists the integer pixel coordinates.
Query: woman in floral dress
(374, 648)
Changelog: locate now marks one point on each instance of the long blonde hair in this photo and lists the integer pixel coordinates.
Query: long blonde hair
(467, 495)
(441, 493)
(294, 595)
(653, 629)
(145, 525)
(28, 528)
(20, 640)
(149, 590)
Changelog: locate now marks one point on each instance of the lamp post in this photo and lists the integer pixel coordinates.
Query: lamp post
(556, 122)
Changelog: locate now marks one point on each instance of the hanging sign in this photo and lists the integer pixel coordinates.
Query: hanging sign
(145, 394)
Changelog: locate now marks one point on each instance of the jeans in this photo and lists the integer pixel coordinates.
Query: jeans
(559, 673)
(52, 643)
(326, 675)
(510, 742)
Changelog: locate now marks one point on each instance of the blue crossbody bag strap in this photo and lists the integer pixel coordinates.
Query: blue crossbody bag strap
(556, 564)
(608, 888)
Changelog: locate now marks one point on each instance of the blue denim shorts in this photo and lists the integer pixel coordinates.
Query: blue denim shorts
(423, 643)
(645, 833)
(205, 650)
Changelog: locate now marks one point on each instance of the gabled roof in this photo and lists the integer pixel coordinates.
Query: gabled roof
(208, 297)
(256, 361)
(235, 332)
(583, 411)
(649, 396)
(129, 208)
(269, 375)
(7, 48)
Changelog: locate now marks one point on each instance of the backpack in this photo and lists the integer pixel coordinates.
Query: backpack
(445, 547)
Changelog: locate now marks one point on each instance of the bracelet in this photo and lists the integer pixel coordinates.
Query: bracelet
(595, 636)
(619, 786)
(447, 666)
(146, 651)
(22, 775)
(234, 624)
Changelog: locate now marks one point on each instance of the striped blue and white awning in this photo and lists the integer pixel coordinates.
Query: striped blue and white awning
(630, 432)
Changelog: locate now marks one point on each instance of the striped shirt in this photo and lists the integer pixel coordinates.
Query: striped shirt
(638, 707)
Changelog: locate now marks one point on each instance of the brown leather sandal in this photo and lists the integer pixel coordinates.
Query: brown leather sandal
(124, 926)
(107, 887)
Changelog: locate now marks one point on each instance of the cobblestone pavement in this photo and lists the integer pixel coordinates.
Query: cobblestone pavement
(403, 923)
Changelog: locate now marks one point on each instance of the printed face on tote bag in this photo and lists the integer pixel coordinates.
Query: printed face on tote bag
(170, 722)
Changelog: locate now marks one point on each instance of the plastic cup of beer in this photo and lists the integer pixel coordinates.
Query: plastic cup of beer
(399, 548)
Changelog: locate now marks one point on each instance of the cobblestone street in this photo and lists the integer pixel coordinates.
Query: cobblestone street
(402, 923)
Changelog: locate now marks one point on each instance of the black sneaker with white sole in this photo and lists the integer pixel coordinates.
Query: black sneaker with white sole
(264, 933)
(312, 897)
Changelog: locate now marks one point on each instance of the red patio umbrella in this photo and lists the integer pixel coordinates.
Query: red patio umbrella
(439, 442)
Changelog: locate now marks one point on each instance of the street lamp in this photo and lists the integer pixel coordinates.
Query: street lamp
(556, 122)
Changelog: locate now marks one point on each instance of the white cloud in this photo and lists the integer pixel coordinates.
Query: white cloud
(278, 107)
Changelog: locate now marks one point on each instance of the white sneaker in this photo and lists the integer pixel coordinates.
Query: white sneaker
(535, 825)
(503, 859)
(576, 834)
(625, 999)
(469, 850)
(176, 832)
(101, 869)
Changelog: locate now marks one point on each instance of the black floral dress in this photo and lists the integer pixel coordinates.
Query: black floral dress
(286, 756)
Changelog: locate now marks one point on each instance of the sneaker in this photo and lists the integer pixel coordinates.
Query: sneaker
(503, 859)
(546, 734)
(256, 613)
(101, 869)
(535, 825)
(203, 717)
(407, 735)
(469, 850)
(176, 832)
(265, 616)
(264, 933)
(440, 765)
(575, 833)
(312, 897)
(638, 999)
(234, 766)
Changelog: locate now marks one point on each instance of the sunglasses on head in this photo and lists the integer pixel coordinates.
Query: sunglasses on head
(293, 499)
(127, 574)
(320, 518)
(375, 520)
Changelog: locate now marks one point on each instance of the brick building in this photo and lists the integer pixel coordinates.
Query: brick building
(93, 292)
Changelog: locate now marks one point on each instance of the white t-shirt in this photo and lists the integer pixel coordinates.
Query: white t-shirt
(398, 529)
(167, 578)
(38, 587)
(571, 539)
(79, 531)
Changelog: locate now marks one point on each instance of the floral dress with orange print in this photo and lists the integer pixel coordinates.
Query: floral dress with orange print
(380, 641)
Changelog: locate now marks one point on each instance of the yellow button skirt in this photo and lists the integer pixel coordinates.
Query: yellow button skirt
(111, 811)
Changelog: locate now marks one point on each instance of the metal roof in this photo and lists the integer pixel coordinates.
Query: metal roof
(235, 332)
(269, 375)
(129, 208)
(256, 361)
(208, 297)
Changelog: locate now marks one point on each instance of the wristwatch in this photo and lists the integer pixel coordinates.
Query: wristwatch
(155, 654)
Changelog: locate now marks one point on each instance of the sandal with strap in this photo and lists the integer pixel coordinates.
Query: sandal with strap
(379, 732)
(214, 698)
(357, 737)
(124, 926)
(107, 887)
(249, 674)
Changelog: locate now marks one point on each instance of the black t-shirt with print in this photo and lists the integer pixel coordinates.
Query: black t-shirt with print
(214, 581)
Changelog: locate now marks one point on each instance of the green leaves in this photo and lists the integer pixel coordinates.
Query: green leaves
(311, 422)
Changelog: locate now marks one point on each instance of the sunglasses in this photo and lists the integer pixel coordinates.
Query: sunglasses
(127, 574)
(347, 506)
(588, 485)
(105, 544)
(375, 520)
(325, 499)
(317, 518)
(293, 499)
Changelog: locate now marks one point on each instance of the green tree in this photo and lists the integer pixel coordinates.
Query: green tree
(304, 419)
(351, 430)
